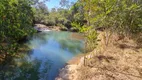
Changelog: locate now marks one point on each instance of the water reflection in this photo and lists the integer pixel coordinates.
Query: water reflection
(50, 51)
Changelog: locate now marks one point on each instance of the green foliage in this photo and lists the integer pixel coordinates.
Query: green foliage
(63, 28)
(77, 13)
(124, 16)
(121, 16)
(51, 18)
(91, 40)
(40, 12)
(80, 27)
(59, 15)
(16, 19)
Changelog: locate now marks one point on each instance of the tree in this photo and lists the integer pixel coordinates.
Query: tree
(16, 21)
(111, 14)
(40, 12)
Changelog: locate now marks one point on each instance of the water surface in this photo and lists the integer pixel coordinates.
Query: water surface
(49, 53)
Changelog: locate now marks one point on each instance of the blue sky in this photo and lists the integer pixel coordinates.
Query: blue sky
(55, 3)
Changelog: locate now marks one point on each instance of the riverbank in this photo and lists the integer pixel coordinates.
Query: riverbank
(120, 60)
(42, 27)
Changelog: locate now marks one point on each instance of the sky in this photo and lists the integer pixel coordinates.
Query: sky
(55, 3)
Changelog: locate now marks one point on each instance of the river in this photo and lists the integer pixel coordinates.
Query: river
(50, 51)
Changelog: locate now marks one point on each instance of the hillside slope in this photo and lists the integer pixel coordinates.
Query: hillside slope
(120, 60)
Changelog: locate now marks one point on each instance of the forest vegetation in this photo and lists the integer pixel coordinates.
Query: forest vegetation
(17, 18)
(114, 16)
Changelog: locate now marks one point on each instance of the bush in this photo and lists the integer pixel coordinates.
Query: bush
(16, 21)
(91, 40)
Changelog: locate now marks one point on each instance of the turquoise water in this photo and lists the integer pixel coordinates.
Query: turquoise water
(49, 53)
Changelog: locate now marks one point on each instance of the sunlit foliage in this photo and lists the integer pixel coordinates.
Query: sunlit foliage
(16, 20)
(124, 16)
